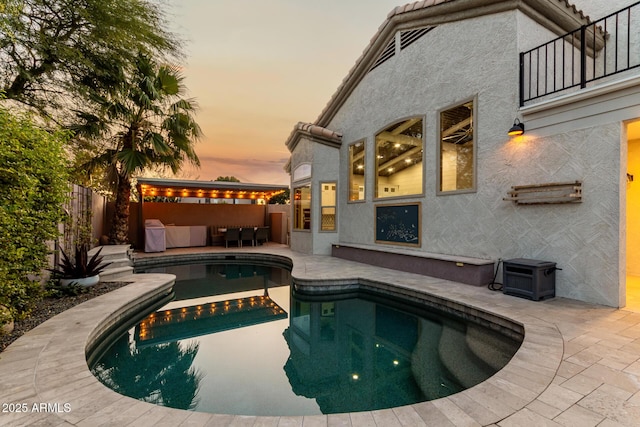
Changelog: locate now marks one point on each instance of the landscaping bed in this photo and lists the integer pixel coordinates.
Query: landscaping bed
(50, 306)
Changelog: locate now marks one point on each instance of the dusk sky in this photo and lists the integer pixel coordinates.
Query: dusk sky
(256, 68)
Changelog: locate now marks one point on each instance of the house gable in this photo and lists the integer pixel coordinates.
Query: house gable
(414, 20)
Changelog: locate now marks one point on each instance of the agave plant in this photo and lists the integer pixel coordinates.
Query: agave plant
(81, 267)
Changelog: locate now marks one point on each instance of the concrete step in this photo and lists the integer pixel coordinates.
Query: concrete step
(112, 252)
(116, 263)
(119, 259)
(113, 274)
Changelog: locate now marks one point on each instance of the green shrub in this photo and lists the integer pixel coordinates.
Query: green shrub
(54, 290)
(33, 188)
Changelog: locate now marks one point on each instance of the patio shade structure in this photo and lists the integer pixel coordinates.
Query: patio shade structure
(207, 189)
(160, 187)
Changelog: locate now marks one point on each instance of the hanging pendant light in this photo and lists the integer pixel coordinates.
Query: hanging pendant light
(517, 129)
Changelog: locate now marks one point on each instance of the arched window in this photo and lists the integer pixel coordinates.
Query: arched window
(399, 152)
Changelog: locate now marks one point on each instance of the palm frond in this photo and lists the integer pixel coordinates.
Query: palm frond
(132, 160)
(183, 105)
(143, 123)
(169, 81)
(142, 100)
(88, 125)
(159, 144)
(117, 109)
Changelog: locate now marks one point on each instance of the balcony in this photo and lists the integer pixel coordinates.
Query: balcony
(600, 52)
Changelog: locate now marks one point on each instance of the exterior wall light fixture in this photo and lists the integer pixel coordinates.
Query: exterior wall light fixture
(517, 129)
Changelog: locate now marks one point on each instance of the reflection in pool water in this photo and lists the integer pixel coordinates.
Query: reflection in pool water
(237, 340)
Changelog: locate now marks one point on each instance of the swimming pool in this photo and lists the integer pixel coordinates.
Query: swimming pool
(237, 339)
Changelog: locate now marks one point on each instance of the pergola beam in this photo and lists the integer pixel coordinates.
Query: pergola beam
(207, 189)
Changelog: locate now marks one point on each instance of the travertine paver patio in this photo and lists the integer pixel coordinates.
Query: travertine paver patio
(579, 364)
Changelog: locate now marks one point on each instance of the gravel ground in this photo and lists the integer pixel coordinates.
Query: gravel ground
(49, 307)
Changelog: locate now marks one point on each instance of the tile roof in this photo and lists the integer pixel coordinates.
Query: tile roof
(320, 133)
(429, 3)
(415, 5)
(442, 10)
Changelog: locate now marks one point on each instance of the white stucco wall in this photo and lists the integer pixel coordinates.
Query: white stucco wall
(582, 238)
(326, 162)
(325, 166)
(446, 67)
(595, 117)
(301, 240)
(460, 61)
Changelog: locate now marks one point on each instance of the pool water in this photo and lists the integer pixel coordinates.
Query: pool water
(237, 340)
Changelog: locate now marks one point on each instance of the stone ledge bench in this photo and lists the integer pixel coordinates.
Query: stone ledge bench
(471, 271)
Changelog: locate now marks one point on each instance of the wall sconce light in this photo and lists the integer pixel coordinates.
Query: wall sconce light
(517, 129)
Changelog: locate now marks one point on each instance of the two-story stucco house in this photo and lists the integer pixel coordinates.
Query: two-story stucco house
(410, 163)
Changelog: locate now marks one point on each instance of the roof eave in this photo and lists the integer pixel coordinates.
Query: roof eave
(313, 133)
(226, 185)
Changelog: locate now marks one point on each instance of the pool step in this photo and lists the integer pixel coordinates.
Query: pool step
(460, 359)
(449, 355)
(427, 372)
(493, 349)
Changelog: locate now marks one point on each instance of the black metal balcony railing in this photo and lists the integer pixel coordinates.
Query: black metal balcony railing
(601, 49)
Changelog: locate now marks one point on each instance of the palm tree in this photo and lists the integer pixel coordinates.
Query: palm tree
(144, 123)
(160, 373)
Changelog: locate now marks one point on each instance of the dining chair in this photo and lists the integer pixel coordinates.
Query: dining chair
(232, 235)
(246, 233)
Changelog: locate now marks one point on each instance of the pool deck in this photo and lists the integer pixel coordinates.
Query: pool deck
(579, 364)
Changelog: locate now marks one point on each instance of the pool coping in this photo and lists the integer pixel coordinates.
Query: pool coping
(48, 366)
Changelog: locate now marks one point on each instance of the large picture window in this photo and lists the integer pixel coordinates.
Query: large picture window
(328, 206)
(399, 151)
(457, 149)
(356, 171)
(302, 208)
